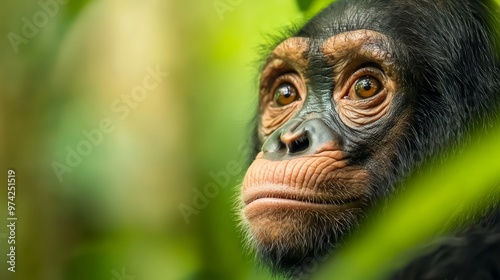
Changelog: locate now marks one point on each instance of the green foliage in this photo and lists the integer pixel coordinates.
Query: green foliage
(312, 7)
(304, 5)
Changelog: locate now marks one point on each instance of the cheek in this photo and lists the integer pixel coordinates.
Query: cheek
(357, 114)
(273, 118)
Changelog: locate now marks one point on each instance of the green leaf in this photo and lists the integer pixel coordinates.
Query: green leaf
(304, 4)
(312, 7)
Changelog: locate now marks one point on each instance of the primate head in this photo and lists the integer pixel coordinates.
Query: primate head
(353, 103)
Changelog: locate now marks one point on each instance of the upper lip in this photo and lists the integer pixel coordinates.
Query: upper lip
(250, 196)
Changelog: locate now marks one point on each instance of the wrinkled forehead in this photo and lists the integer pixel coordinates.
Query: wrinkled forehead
(298, 51)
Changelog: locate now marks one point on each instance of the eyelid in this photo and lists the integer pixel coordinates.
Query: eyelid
(274, 69)
(283, 78)
(368, 70)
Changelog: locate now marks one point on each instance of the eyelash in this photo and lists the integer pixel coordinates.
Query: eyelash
(283, 78)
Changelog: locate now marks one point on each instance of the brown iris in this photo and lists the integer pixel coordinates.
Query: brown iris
(285, 94)
(366, 87)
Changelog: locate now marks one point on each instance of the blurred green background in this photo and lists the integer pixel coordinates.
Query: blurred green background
(166, 90)
(115, 211)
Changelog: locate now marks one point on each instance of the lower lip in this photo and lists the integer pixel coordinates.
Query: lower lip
(282, 203)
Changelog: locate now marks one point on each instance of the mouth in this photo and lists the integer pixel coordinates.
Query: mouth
(279, 196)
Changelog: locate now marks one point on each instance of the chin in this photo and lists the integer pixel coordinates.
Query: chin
(291, 233)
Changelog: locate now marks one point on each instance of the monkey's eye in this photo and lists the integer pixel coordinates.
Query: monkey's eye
(366, 87)
(285, 94)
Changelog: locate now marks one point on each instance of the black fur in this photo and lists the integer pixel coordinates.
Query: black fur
(472, 253)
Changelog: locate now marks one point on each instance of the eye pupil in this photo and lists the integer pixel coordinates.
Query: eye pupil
(285, 94)
(366, 87)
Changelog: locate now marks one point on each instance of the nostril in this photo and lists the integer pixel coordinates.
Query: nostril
(298, 145)
(282, 146)
(273, 146)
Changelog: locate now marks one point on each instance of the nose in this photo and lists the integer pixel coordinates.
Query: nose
(298, 137)
(296, 141)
